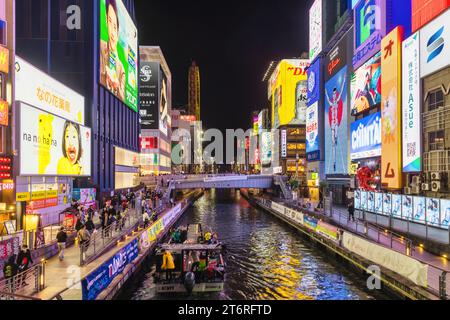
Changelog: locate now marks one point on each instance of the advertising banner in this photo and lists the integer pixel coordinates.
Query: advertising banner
(407, 267)
(397, 205)
(411, 111)
(38, 89)
(4, 113)
(327, 230)
(370, 28)
(357, 199)
(149, 95)
(9, 247)
(118, 52)
(85, 196)
(283, 143)
(445, 213)
(391, 162)
(164, 116)
(312, 129)
(58, 147)
(337, 57)
(434, 45)
(419, 209)
(433, 211)
(310, 222)
(266, 149)
(365, 137)
(100, 279)
(366, 85)
(315, 29)
(378, 203)
(314, 80)
(407, 207)
(336, 120)
(387, 204)
(277, 207)
(371, 201)
(289, 92)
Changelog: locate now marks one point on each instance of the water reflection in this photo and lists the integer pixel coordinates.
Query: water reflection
(265, 258)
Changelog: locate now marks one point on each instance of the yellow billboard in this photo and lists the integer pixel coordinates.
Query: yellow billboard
(288, 86)
(391, 118)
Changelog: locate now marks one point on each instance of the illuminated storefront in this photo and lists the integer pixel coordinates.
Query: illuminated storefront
(126, 169)
(50, 130)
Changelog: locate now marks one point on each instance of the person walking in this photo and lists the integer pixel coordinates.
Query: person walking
(10, 270)
(23, 261)
(90, 226)
(146, 219)
(351, 211)
(83, 236)
(168, 264)
(61, 237)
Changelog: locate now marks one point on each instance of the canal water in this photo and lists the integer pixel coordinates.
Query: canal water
(266, 259)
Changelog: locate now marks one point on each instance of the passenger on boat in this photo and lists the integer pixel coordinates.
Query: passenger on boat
(207, 237)
(168, 264)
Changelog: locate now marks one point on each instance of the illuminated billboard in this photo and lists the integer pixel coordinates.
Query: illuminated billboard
(266, 149)
(435, 45)
(391, 146)
(336, 137)
(365, 137)
(314, 79)
(315, 29)
(118, 52)
(164, 116)
(425, 11)
(411, 110)
(149, 94)
(366, 85)
(337, 58)
(370, 28)
(52, 146)
(289, 89)
(38, 89)
(312, 128)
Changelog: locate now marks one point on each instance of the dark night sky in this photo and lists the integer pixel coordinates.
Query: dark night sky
(232, 41)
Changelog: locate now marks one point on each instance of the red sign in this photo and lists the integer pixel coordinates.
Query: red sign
(148, 143)
(424, 11)
(5, 168)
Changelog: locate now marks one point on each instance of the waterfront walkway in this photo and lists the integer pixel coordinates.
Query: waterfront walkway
(436, 265)
(63, 278)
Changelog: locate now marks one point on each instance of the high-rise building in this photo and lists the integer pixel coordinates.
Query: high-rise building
(194, 91)
(155, 111)
(74, 43)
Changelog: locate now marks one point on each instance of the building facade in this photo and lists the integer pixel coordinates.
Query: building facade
(69, 41)
(156, 108)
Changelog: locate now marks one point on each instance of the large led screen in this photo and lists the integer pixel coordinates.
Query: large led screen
(336, 137)
(365, 137)
(366, 85)
(52, 146)
(118, 52)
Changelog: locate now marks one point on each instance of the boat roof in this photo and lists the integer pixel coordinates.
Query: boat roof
(190, 246)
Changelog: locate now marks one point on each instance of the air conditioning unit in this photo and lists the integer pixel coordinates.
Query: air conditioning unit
(425, 186)
(408, 190)
(416, 189)
(416, 181)
(436, 176)
(436, 186)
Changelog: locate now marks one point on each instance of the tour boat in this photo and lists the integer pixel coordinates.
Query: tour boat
(199, 265)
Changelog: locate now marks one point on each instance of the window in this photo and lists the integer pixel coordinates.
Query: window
(437, 140)
(435, 99)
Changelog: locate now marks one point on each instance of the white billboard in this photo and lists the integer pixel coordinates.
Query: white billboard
(411, 111)
(435, 45)
(38, 89)
(52, 146)
(315, 29)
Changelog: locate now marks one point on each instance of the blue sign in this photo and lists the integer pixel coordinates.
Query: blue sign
(314, 82)
(365, 137)
(370, 28)
(336, 123)
(100, 279)
(312, 128)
